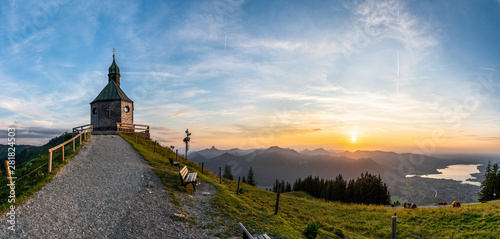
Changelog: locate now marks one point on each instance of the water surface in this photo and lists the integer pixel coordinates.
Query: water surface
(458, 172)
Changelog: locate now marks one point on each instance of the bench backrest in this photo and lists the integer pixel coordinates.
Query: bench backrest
(246, 234)
(183, 173)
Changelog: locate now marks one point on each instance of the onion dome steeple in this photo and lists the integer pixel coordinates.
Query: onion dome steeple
(114, 71)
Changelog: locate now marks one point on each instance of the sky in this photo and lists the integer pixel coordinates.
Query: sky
(403, 76)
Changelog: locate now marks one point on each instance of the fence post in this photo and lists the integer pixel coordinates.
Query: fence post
(202, 167)
(277, 200)
(50, 161)
(73, 145)
(8, 172)
(155, 147)
(238, 190)
(393, 226)
(220, 175)
(63, 152)
(80, 140)
(176, 155)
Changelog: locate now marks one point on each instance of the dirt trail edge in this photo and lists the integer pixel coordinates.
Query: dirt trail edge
(107, 191)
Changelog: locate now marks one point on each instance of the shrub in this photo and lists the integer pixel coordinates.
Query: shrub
(339, 233)
(67, 136)
(311, 231)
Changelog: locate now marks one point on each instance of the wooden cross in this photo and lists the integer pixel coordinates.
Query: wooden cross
(109, 111)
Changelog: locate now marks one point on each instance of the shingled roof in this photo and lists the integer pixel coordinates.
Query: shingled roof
(111, 92)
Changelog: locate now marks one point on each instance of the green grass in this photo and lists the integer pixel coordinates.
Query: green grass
(300, 194)
(255, 209)
(31, 177)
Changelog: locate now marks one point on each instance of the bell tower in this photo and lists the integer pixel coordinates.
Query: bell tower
(114, 71)
(112, 105)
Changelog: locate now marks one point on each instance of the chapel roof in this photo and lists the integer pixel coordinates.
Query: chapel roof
(111, 92)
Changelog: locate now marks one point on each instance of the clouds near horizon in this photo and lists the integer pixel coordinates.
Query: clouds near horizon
(385, 70)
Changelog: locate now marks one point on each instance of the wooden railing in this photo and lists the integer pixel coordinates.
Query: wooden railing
(136, 129)
(86, 132)
(80, 129)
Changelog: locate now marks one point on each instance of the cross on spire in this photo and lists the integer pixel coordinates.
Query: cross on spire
(114, 52)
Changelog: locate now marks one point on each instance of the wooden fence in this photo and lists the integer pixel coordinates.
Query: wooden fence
(80, 129)
(136, 129)
(86, 132)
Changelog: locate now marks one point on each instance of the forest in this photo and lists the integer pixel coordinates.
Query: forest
(366, 189)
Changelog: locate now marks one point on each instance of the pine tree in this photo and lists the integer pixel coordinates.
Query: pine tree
(327, 191)
(250, 177)
(350, 192)
(495, 175)
(297, 186)
(227, 172)
(276, 185)
(243, 180)
(288, 187)
(338, 189)
(488, 185)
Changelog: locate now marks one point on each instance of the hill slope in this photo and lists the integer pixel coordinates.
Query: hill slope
(25, 153)
(254, 207)
(19, 148)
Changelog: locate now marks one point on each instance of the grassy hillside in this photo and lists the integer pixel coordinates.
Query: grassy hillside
(254, 207)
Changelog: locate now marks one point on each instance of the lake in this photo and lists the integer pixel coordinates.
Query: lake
(458, 172)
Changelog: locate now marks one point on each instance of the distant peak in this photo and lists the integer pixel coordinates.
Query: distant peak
(213, 147)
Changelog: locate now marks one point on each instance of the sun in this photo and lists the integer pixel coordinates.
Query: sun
(353, 139)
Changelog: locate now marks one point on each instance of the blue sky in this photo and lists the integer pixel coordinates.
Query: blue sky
(420, 76)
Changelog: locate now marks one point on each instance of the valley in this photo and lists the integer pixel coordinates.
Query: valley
(288, 165)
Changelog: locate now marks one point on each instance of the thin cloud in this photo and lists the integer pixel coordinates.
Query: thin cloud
(179, 113)
(208, 66)
(390, 19)
(273, 44)
(153, 73)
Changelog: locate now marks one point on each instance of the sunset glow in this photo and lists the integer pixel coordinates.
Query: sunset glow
(344, 75)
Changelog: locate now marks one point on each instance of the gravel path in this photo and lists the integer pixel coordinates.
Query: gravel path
(107, 191)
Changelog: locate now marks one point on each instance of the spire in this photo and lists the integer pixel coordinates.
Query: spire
(114, 71)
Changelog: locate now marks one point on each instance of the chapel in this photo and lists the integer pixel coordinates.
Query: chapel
(112, 105)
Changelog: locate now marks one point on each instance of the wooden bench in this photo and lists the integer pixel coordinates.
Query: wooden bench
(247, 235)
(174, 163)
(187, 178)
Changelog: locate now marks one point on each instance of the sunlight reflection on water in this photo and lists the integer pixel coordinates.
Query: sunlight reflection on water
(459, 172)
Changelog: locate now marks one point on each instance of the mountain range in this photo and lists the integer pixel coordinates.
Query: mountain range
(19, 148)
(287, 164)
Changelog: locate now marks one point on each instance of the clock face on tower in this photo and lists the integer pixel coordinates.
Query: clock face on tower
(126, 109)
